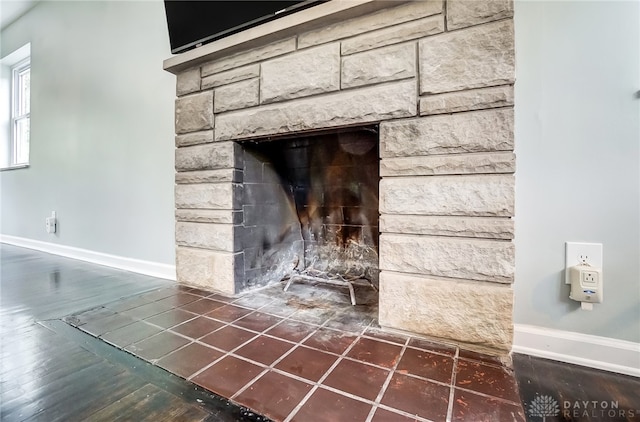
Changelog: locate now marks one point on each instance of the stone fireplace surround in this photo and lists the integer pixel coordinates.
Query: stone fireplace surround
(437, 77)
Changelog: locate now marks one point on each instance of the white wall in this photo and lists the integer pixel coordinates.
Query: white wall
(101, 129)
(578, 160)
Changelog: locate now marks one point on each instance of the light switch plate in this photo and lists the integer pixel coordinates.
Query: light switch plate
(579, 253)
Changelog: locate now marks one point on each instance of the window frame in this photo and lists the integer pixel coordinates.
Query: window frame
(15, 59)
(17, 101)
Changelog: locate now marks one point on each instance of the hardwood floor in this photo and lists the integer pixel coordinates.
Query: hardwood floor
(581, 394)
(50, 371)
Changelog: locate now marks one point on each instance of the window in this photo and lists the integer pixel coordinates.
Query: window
(20, 112)
(15, 108)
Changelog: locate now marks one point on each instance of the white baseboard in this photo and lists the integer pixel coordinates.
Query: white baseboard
(153, 269)
(580, 349)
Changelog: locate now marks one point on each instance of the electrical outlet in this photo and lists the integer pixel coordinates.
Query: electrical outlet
(582, 254)
(51, 223)
(590, 277)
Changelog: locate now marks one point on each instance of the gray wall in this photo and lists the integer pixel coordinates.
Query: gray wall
(578, 160)
(101, 129)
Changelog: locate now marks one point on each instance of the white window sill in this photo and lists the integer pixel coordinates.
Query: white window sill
(15, 167)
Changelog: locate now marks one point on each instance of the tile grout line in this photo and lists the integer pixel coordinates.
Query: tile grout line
(162, 330)
(274, 363)
(296, 346)
(226, 323)
(386, 383)
(226, 353)
(262, 333)
(489, 396)
(415, 418)
(231, 352)
(326, 374)
(452, 389)
(430, 380)
(248, 384)
(282, 372)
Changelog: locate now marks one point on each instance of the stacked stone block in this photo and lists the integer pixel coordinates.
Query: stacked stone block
(438, 78)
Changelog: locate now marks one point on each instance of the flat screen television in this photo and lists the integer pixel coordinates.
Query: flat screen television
(194, 23)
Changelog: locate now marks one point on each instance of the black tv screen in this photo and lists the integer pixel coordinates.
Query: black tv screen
(193, 23)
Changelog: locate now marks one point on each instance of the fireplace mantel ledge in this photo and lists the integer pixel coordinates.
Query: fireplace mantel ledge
(305, 20)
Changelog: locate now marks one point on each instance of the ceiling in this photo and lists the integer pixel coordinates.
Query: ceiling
(10, 10)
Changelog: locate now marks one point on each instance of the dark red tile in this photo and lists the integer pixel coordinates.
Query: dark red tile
(431, 346)
(307, 363)
(257, 321)
(221, 298)
(325, 405)
(157, 346)
(148, 310)
(274, 395)
(198, 327)
(227, 338)
(229, 313)
(186, 361)
(291, 330)
(264, 349)
(357, 378)
(383, 335)
(170, 318)
(474, 407)
(488, 379)
(417, 397)
(330, 340)
(199, 292)
(178, 299)
(202, 306)
(132, 333)
(480, 357)
(376, 352)
(109, 323)
(427, 365)
(383, 415)
(227, 376)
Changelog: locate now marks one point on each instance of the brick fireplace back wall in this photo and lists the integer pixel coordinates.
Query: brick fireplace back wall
(438, 80)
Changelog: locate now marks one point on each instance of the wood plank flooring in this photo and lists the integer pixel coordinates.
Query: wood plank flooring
(50, 371)
(582, 394)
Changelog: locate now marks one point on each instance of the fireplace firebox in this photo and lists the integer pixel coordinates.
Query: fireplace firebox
(310, 208)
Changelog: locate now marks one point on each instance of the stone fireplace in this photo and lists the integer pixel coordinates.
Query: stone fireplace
(368, 137)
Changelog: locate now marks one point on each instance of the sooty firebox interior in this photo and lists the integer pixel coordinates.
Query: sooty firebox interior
(310, 208)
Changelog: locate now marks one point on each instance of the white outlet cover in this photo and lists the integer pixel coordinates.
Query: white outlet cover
(575, 250)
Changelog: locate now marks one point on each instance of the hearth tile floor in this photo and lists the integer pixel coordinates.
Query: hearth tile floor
(306, 355)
